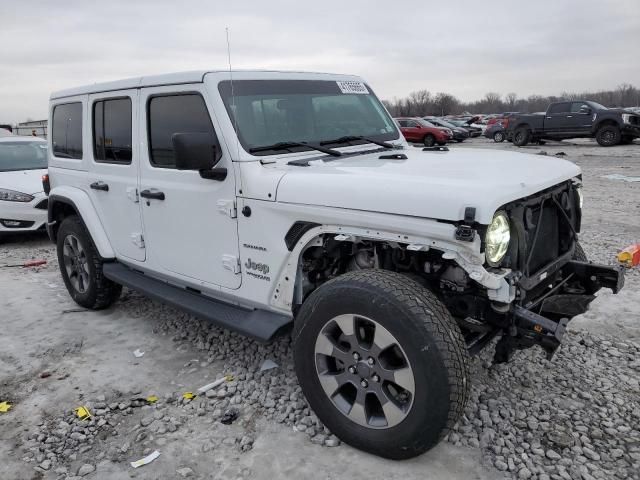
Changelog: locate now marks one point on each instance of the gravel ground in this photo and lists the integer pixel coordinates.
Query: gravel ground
(574, 417)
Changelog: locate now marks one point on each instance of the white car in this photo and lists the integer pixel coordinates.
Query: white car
(265, 201)
(23, 203)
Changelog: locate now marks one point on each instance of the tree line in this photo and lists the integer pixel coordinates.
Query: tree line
(423, 102)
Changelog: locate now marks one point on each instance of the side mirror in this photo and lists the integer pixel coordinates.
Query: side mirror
(195, 151)
(585, 110)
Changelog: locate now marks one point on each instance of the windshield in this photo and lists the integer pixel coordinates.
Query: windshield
(426, 123)
(22, 156)
(312, 111)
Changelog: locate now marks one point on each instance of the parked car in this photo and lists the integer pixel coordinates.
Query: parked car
(459, 134)
(474, 131)
(418, 130)
(23, 204)
(496, 131)
(292, 201)
(5, 132)
(575, 119)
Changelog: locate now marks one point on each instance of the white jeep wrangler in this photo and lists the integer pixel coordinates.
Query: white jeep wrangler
(269, 200)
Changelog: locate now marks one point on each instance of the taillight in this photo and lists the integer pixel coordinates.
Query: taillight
(46, 186)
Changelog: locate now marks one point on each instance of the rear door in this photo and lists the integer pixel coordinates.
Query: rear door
(113, 171)
(190, 221)
(556, 121)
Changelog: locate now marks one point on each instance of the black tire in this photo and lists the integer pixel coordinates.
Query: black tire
(442, 143)
(99, 292)
(608, 136)
(626, 140)
(578, 253)
(429, 140)
(521, 136)
(425, 332)
(498, 137)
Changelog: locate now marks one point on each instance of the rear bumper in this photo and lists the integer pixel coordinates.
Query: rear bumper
(544, 321)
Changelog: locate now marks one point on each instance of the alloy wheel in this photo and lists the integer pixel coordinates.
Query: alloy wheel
(364, 371)
(75, 263)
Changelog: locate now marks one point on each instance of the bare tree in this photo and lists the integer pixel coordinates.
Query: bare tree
(511, 99)
(445, 103)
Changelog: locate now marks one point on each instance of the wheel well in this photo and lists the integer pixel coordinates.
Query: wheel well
(605, 123)
(58, 211)
(522, 125)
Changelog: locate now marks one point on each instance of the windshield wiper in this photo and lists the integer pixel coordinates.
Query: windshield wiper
(350, 138)
(288, 145)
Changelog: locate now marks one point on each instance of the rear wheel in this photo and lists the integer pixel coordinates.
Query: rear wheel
(81, 267)
(381, 362)
(429, 140)
(608, 136)
(498, 137)
(521, 136)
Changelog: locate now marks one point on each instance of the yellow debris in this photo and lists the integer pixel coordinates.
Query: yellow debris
(229, 378)
(4, 407)
(151, 399)
(82, 412)
(188, 395)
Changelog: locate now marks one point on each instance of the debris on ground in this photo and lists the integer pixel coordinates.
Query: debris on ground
(217, 383)
(561, 154)
(5, 407)
(27, 264)
(45, 374)
(268, 364)
(82, 412)
(138, 353)
(146, 460)
(630, 256)
(229, 416)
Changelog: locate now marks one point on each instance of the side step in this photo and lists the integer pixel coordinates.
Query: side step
(259, 324)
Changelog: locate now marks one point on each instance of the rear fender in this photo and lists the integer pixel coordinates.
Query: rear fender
(81, 204)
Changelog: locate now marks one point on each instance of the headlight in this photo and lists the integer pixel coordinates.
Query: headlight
(497, 239)
(12, 196)
(580, 196)
(626, 118)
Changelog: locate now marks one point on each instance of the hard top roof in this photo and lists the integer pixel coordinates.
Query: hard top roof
(196, 76)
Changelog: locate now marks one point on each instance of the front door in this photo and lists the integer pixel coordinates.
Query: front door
(556, 121)
(189, 221)
(580, 119)
(113, 177)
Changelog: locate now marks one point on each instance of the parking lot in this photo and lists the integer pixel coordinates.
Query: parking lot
(575, 417)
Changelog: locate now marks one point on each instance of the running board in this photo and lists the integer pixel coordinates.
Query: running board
(261, 325)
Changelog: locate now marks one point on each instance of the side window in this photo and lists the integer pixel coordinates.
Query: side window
(411, 124)
(402, 123)
(112, 131)
(576, 106)
(66, 131)
(169, 114)
(559, 108)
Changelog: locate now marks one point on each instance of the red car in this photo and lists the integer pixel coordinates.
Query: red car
(419, 130)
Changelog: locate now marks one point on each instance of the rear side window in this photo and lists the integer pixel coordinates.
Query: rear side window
(169, 114)
(66, 132)
(559, 108)
(112, 131)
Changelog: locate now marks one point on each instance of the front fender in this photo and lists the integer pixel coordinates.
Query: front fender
(81, 204)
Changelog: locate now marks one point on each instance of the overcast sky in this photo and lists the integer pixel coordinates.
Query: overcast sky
(464, 47)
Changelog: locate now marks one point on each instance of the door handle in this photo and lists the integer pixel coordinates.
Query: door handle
(152, 195)
(100, 186)
(569, 116)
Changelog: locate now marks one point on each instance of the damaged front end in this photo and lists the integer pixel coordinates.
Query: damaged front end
(550, 278)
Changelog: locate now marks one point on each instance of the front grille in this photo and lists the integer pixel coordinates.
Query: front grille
(547, 245)
(43, 204)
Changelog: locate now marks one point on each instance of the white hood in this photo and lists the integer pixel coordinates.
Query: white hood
(25, 181)
(438, 185)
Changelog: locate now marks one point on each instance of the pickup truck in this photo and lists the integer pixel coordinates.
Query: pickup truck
(575, 119)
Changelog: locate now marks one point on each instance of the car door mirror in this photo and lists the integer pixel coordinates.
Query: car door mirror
(195, 151)
(585, 110)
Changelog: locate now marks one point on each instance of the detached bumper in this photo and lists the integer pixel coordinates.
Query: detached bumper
(545, 322)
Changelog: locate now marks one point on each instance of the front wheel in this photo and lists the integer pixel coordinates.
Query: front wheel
(429, 140)
(81, 267)
(381, 362)
(608, 136)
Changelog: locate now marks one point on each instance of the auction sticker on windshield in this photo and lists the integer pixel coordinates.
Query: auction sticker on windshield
(353, 87)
